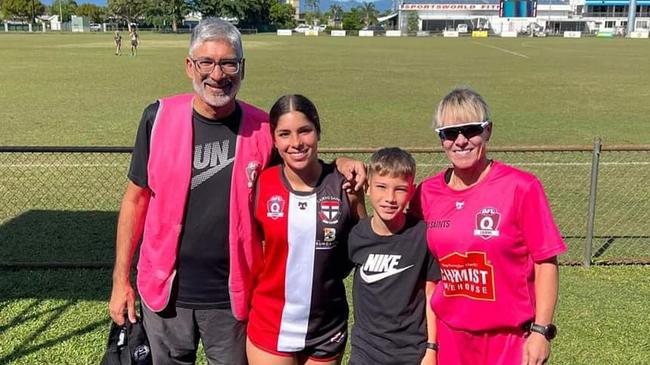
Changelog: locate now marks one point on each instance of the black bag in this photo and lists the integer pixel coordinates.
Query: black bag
(127, 345)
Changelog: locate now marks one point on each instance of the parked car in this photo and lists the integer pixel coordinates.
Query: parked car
(302, 28)
(94, 27)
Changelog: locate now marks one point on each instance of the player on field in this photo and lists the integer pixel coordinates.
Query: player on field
(492, 230)
(299, 310)
(395, 273)
(117, 38)
(135, 41)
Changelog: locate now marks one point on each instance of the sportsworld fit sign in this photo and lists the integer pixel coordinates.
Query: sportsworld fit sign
(451, 7)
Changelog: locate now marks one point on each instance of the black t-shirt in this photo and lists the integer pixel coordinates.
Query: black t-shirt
(203, 256)
(389, 293)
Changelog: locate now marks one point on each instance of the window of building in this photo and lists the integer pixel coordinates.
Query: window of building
(609, 24)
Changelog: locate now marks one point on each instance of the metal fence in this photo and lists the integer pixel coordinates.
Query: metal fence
(59, 205)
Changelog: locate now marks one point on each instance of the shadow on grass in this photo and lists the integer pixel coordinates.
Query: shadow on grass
(26, 347)
(67, 237)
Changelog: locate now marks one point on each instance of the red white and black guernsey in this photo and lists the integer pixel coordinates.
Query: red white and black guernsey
(299, 298)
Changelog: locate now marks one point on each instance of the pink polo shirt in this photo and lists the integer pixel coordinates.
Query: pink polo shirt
(487, 239)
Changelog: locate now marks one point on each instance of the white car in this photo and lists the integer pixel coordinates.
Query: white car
(94, 27)
(302, 28)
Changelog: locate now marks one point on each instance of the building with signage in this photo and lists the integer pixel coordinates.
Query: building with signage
(552, 16)
(493, 15)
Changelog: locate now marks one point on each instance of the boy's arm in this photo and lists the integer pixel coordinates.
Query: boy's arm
(430, 356)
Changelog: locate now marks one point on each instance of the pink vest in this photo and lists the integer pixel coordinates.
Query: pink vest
(169, 174)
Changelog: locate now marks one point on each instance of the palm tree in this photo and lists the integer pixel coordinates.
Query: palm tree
(336, 12)
(369, 12)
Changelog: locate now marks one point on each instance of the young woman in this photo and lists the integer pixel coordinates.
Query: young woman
(299, 310)
(492, 230)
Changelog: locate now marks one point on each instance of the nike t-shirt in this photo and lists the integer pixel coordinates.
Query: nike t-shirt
(203, 255)
(389, 293)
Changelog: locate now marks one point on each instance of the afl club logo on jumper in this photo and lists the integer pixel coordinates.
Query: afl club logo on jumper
(487, 222)
(381, 266)
(329, 209)
(275, 207)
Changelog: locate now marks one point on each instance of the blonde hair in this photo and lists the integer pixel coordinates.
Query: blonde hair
(462, 105)
(391, 161)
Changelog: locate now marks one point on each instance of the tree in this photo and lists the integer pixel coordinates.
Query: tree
(66, 7)
(353, 20)
(256, 14)
(161, 13)
(219, 8)
(281, 16)
(21, 9)
(369, 12)
(95, 13)
(314, 15)
(413, 23)
(336, 11)
(128, 10)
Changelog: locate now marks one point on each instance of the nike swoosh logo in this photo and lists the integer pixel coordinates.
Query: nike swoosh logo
(205, 175)
(373, 278)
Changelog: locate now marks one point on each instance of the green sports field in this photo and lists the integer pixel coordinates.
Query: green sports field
(69, 89)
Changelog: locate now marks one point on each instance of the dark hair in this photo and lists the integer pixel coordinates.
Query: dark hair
(294, 103)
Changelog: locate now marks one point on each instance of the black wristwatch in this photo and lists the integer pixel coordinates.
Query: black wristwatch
(549, 331)
(432, 346)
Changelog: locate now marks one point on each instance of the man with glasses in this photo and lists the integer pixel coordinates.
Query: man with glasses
(191, 176)
(189, 201)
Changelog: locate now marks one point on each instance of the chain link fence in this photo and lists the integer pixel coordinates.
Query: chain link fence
(60, 204)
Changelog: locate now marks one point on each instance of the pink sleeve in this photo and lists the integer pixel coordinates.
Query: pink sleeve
(538, 227)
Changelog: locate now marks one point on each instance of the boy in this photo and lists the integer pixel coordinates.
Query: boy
(395, 273)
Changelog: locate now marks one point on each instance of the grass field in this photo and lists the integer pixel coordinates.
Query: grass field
(69, 89)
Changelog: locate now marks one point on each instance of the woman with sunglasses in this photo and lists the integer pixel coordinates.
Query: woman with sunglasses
(492, 230)
(299, 310)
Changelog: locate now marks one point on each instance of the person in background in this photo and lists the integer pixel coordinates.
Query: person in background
(491, 228)
(299, 310)
(135, 41)
(117, 38)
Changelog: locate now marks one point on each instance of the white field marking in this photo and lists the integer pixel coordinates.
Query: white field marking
(638, 163)
(63, 165)
(502, 50)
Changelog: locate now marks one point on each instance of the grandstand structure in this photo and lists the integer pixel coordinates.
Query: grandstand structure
(529, 16)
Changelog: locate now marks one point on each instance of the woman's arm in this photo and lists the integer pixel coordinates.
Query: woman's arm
(537, 348)
(430, 356)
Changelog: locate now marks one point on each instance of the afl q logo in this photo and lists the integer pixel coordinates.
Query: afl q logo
(487, 222)
(275, 207)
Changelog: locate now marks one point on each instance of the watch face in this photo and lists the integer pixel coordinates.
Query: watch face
(551, 331)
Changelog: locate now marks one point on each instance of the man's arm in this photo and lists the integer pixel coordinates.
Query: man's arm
(430, 356)
(354, 172)
(537, 348)
(130, 225)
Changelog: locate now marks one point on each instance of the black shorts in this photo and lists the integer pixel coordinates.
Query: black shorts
(328, 350)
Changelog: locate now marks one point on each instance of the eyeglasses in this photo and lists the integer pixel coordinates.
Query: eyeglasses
(468, 130)
(207, 65)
